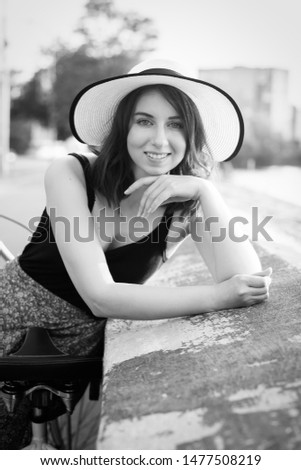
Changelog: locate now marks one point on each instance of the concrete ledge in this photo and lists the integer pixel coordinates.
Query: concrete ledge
(225, 380)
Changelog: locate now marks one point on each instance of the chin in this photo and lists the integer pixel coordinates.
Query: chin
(152, 171)
(157, 172)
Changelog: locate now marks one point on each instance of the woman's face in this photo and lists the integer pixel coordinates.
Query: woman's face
(156, 139)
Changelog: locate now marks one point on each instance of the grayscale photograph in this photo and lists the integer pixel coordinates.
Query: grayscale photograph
(150, 222)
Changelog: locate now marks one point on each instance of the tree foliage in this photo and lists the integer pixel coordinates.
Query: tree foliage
(109, 42)
(32, 102)
(107, 32)
(74, 70)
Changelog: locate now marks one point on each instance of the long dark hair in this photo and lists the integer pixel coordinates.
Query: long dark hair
(111, 172)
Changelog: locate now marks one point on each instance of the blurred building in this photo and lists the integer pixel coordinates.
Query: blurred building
(296, 124)
(263, 97)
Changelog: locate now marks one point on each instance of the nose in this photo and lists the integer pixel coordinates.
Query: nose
(159, 137)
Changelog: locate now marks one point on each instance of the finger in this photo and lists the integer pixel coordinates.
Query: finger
(139, 183)
(150, 194)
(260, 298)
(266, 272)
(158, 201)
(155, 199)
(258, 281)
(147, 193)
(257, 292)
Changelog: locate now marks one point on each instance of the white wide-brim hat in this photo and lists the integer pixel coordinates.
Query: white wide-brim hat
(94, 107)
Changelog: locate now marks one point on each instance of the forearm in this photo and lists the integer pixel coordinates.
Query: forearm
(140, 302)
(232, 251)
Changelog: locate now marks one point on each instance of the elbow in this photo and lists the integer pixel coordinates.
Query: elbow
(101, 303)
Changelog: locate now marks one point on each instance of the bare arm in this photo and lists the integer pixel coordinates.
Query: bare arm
(140, 302)
(224, 255)
(225, 252)
(86, 263)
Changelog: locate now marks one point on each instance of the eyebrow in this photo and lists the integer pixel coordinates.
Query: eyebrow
(151, 116)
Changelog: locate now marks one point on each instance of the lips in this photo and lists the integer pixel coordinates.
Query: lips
(156, 156)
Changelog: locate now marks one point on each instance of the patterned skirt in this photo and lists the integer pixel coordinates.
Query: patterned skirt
(25, 303)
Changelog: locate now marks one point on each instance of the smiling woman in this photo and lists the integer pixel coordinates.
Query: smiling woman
(155, 134)
(164, 134)
(156, 140)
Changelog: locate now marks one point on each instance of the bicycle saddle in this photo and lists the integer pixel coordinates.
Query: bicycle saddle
(39, 360)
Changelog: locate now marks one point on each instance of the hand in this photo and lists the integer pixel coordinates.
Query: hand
(165, 189)
(244, 290)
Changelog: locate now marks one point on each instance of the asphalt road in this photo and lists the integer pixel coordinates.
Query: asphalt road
(21, 198)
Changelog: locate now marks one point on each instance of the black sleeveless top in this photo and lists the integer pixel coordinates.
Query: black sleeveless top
(132, 263)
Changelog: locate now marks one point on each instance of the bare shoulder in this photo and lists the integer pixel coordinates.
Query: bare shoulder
(66, 166)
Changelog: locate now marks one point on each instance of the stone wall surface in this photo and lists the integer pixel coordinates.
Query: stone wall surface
(225, 380)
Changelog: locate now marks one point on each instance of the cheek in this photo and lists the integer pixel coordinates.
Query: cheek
(136, 138)
(180, 143)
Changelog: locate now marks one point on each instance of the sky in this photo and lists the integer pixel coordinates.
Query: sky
(198, 33)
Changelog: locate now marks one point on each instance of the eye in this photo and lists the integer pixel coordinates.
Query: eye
(176, 125)
(143, 122)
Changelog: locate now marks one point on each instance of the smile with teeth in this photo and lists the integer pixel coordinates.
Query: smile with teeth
(156, 156)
